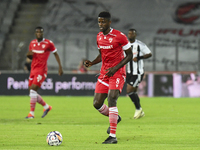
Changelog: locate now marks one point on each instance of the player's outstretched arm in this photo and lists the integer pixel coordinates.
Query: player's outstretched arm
(60, 71)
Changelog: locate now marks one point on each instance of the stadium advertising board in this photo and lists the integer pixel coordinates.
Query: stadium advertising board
(68, 84)
(163, 85)
(175, 85)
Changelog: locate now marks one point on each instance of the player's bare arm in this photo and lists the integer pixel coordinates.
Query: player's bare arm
(29, 54)
(60, 71)
(97, 60)
(135, 59)
(113, 70)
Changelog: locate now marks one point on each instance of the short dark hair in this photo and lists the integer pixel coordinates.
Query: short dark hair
(40, 28)
(133, 30)
(105, 14)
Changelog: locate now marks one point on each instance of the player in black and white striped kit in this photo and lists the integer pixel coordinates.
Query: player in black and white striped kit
(135, 70)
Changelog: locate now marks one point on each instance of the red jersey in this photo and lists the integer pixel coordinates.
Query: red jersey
(111, 47)
(41, 54)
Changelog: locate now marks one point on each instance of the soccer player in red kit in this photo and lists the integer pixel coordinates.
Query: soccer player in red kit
(39, 51)
(111, 45)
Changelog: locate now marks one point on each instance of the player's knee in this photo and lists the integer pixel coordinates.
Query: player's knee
(113, 95)
(131, 90)
(33, 93)
(97, 104)
(112, 100)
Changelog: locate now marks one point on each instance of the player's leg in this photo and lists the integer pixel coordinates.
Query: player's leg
(132, 93)
(113, 111)
(46, 107)
(113, 116)
(132, 86)
(33, 98)
(100, 95)
(116, 84)
(40, 79)
(35, 82)
(98, 103)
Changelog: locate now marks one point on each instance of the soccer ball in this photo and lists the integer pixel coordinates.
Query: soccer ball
(54, 138)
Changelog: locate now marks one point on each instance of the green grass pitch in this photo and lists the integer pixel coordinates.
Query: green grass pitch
(169, 124)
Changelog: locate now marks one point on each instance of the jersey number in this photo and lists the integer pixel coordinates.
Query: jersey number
(117, 82)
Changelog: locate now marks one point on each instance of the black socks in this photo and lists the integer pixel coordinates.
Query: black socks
(135, 99)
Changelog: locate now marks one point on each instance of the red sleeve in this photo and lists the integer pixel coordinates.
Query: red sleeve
(97, 41)
(51, 46)
(30, 47)
(123, 39)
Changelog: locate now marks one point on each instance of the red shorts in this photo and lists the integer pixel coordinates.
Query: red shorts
(37, 78)
(106, 83)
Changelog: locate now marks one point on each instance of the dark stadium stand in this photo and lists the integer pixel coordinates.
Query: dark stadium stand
(17, 29)
(8, 9)
(174, 44)
(72, 26)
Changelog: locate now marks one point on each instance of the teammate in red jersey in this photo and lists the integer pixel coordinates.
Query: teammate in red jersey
(39, 51)
(111, 45)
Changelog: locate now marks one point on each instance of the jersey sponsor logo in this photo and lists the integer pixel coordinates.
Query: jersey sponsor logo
(106, 47)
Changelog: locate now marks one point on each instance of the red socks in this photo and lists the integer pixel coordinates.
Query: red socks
(40, 100)
(104, 110)
(113, 116)
(33, 96)
(112, 112)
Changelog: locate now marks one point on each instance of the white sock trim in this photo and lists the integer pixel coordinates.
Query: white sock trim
(100, 108)
(46, 106)
(33, 94)
(113, 109)
(32, 113)
(113, 135)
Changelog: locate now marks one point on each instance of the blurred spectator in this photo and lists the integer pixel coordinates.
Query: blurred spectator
(27, 65)
(81, 66)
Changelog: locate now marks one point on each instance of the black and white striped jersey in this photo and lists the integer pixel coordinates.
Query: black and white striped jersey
(138, 49)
